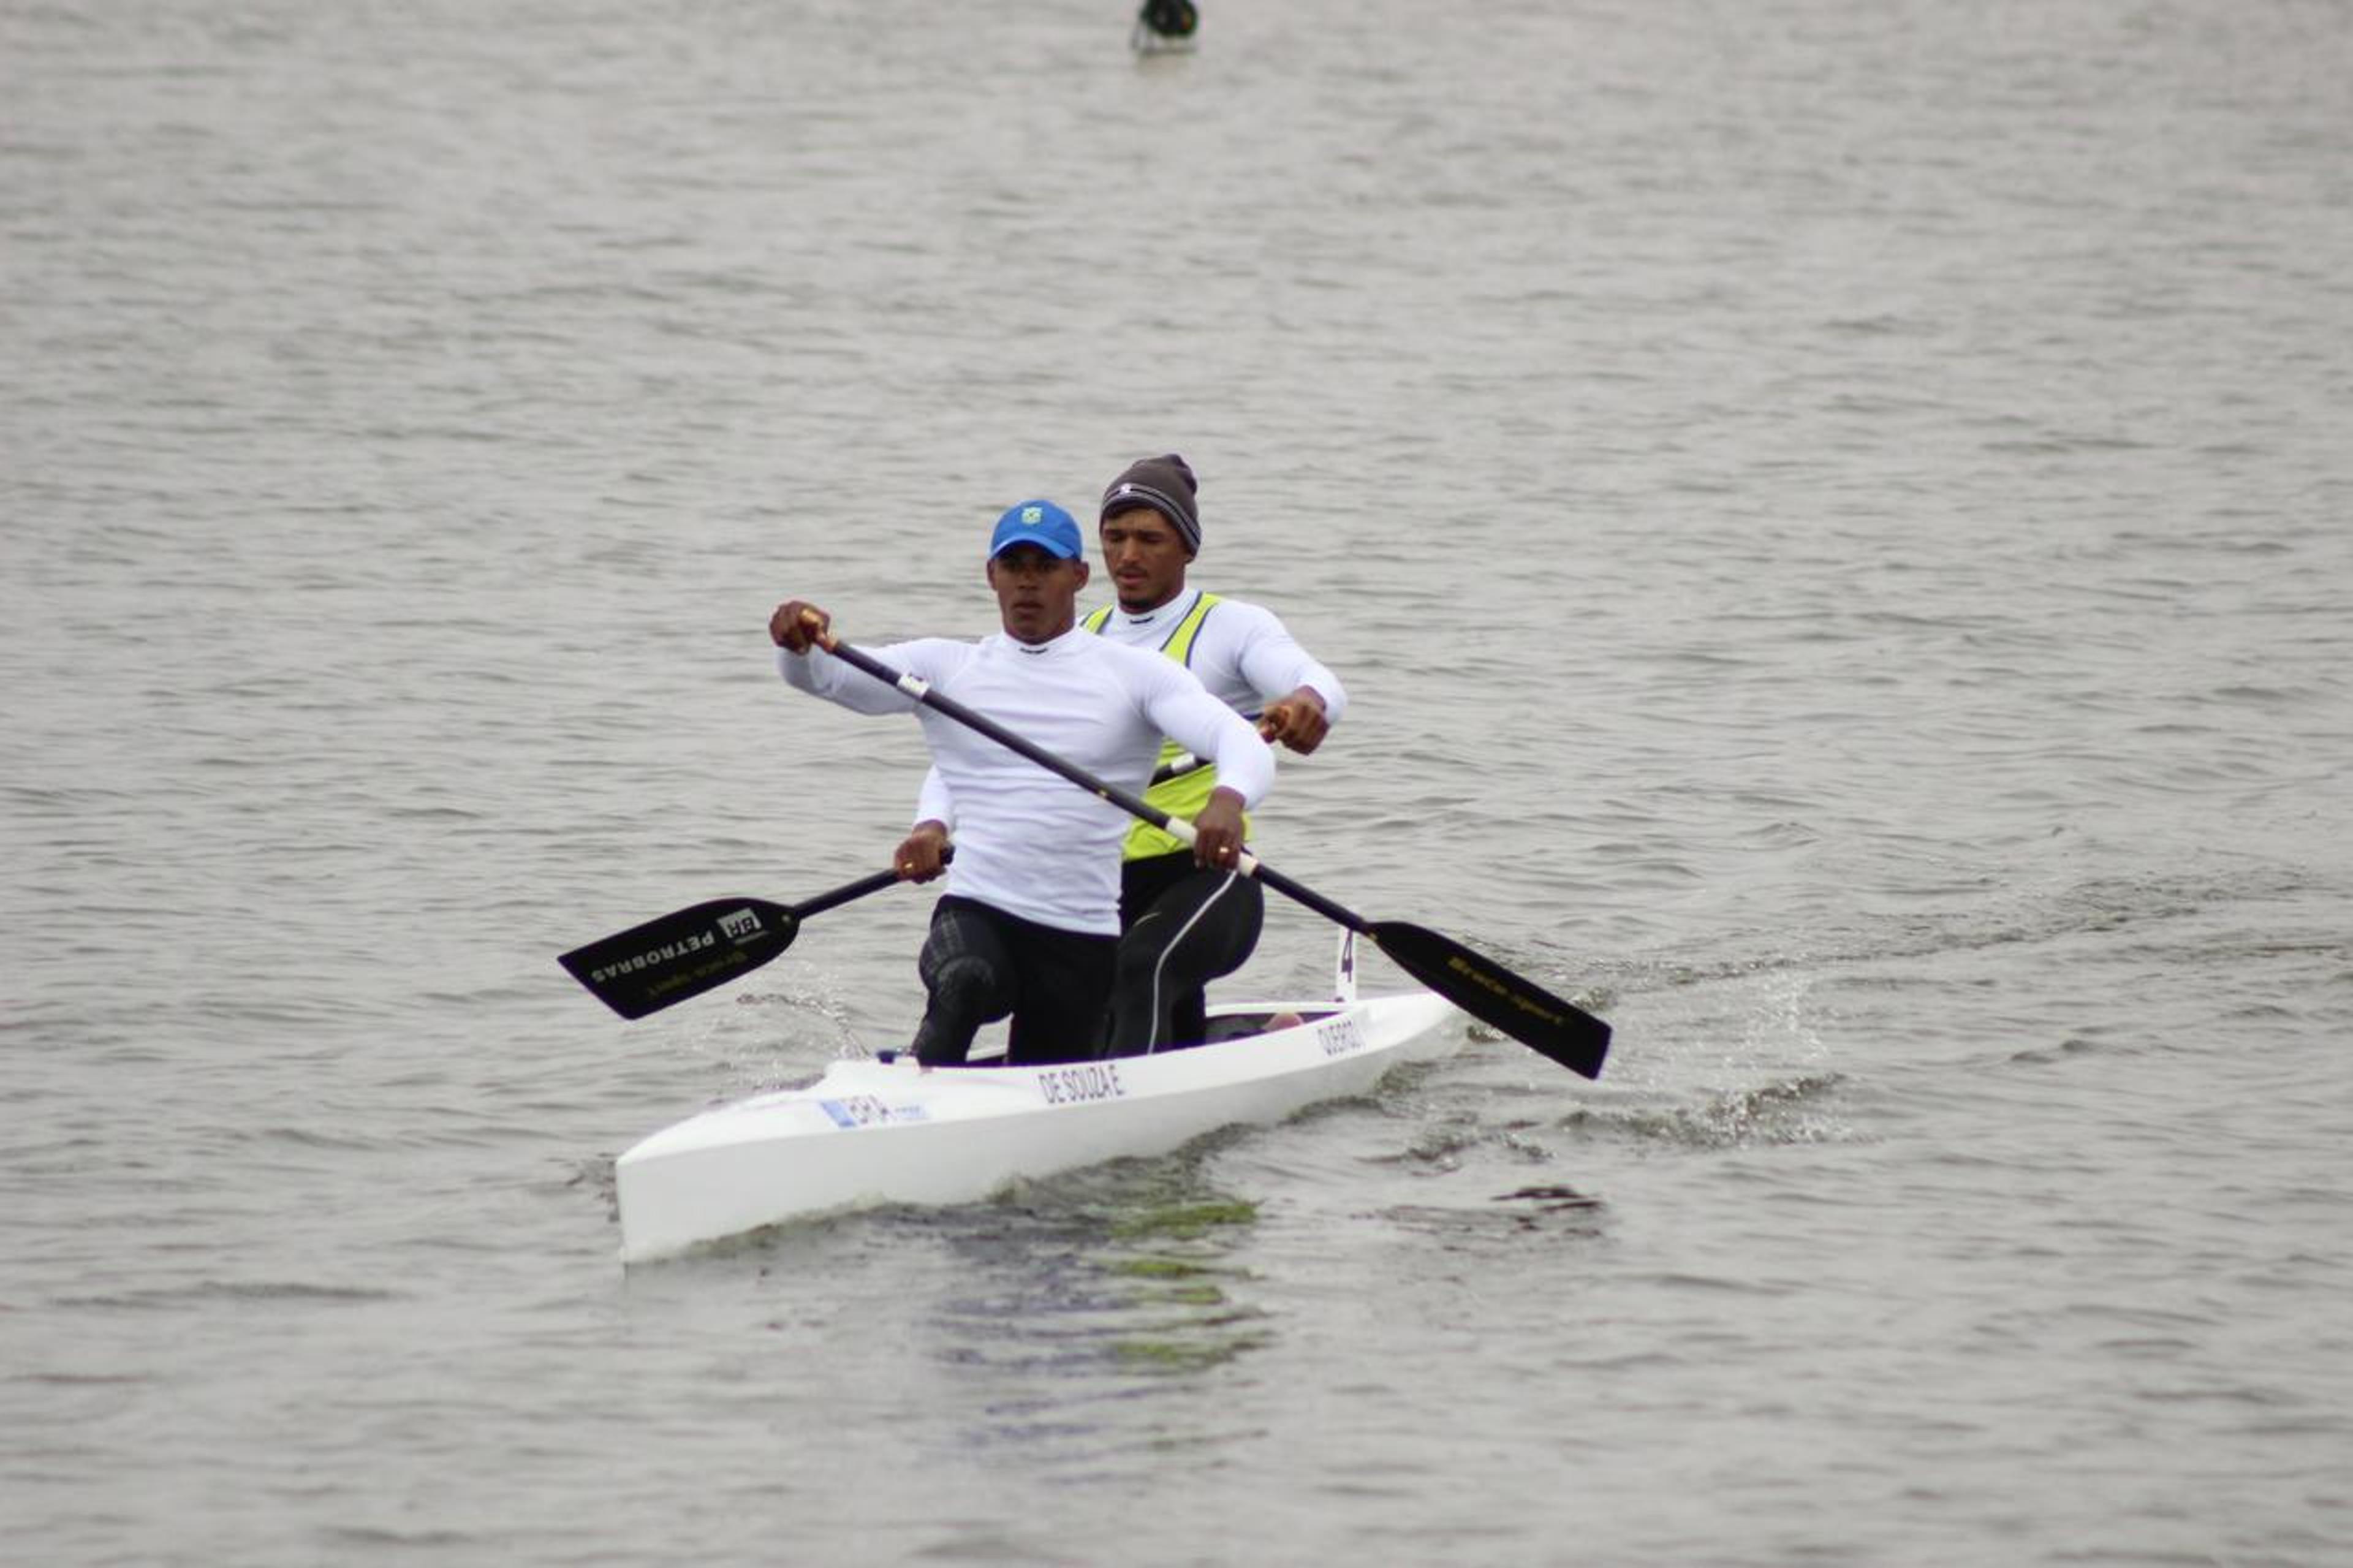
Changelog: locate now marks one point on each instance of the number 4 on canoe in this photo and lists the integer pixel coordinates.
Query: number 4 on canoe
(686, 953)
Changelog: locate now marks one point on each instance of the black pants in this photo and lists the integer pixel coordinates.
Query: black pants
(980, 965)
(1182, 926)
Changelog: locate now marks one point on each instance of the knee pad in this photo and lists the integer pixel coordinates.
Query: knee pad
(963, 983)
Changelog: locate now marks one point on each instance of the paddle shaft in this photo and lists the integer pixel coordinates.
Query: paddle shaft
(1476, 984)
(846, 892)
(1473, 983)
(1184, 762)
(1134, 805)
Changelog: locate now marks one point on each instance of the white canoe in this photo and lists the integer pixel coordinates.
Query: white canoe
(889, 1130)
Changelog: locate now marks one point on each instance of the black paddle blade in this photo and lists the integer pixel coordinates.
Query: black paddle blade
(647, 968)
(1493, 994)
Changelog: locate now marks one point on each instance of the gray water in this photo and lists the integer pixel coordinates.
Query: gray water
(1834, 518)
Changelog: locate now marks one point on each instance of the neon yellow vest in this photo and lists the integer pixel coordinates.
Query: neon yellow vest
(1188, 791)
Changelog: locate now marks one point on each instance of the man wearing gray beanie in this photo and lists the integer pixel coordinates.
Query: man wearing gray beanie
(1183, 924)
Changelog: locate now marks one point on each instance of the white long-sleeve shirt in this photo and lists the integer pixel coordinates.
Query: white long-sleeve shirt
(1243, 652)
(1027, 841)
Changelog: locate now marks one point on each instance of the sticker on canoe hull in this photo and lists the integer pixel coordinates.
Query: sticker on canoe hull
(865, 1110)
(1077, 1085)
(1340, 1035)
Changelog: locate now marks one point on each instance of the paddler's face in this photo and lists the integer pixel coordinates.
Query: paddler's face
(1146, 557)
(1037, 592)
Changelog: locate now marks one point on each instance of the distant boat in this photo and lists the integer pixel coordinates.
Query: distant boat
(1163, 25)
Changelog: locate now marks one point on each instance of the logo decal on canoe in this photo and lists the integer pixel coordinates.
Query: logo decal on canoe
(1340, 1035)
(865, 1110)
(741, 926)
(1076, 1085)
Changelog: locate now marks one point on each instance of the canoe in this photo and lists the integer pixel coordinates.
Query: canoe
(887, 1130)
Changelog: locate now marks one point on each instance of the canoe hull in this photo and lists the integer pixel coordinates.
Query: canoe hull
(872, 1133)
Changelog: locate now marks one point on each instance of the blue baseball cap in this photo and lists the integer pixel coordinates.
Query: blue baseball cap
(1038, 522)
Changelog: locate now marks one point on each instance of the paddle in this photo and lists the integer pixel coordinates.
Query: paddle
(651, 966)
(1479, 985)
(1184, 763)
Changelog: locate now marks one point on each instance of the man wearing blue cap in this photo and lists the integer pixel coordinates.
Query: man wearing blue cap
(1029, 924)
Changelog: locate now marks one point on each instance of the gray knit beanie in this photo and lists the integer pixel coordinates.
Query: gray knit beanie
(1165, 484)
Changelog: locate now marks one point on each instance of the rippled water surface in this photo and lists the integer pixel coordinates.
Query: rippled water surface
(1834, 519)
